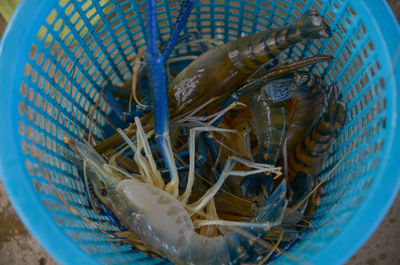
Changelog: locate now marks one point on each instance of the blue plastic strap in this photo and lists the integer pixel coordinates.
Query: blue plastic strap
(159, 93)
(108, 96)
(158, 87)
(152, 28)
(181, 20)
(156, 70)
(122, 115)
(157, 74)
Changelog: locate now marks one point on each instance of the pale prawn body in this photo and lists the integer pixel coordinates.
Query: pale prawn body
(163, 222)
(152, 214)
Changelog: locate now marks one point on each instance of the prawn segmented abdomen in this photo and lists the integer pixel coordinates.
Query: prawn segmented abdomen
(222, 70)
(162, 223)
(249, 52)
(309, 101)
(309, 155)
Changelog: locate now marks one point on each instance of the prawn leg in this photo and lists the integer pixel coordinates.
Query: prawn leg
(263, 225)
(110, 91)
(114, 105)
(148, 167)
(228, 171)
(160, 100)
(192, 147)
(211, 213)
(119, 91)
(302, 185)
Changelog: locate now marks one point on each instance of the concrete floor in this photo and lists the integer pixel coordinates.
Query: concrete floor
(18, 247)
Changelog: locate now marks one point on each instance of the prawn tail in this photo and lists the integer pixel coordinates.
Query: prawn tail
(312, 25)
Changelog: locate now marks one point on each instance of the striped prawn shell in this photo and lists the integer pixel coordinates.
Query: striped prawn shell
(222, 70)
(310, 154)
(308, 103)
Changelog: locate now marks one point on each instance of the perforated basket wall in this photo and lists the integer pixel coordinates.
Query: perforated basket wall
(56, 55)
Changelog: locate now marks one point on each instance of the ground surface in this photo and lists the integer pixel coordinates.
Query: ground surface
(18, 247)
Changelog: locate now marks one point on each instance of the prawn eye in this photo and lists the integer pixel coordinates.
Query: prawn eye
(103, 192)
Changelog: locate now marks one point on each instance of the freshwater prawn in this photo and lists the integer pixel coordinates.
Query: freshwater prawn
(301, 94)
(163, 221)
(223, 69)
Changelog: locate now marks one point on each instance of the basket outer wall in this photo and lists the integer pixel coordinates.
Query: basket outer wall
(375, 206)
(31, 211)
(28, 206)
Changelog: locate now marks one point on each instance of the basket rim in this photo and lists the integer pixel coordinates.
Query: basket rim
(387, 185)
(34, 215)
(29, 208)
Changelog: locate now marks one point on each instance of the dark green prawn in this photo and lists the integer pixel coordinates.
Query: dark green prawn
(222, 70)
(301, 94)
(306, 107)
(308, 156)
(270, 119)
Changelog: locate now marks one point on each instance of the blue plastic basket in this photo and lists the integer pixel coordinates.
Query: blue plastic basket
(55, 55)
